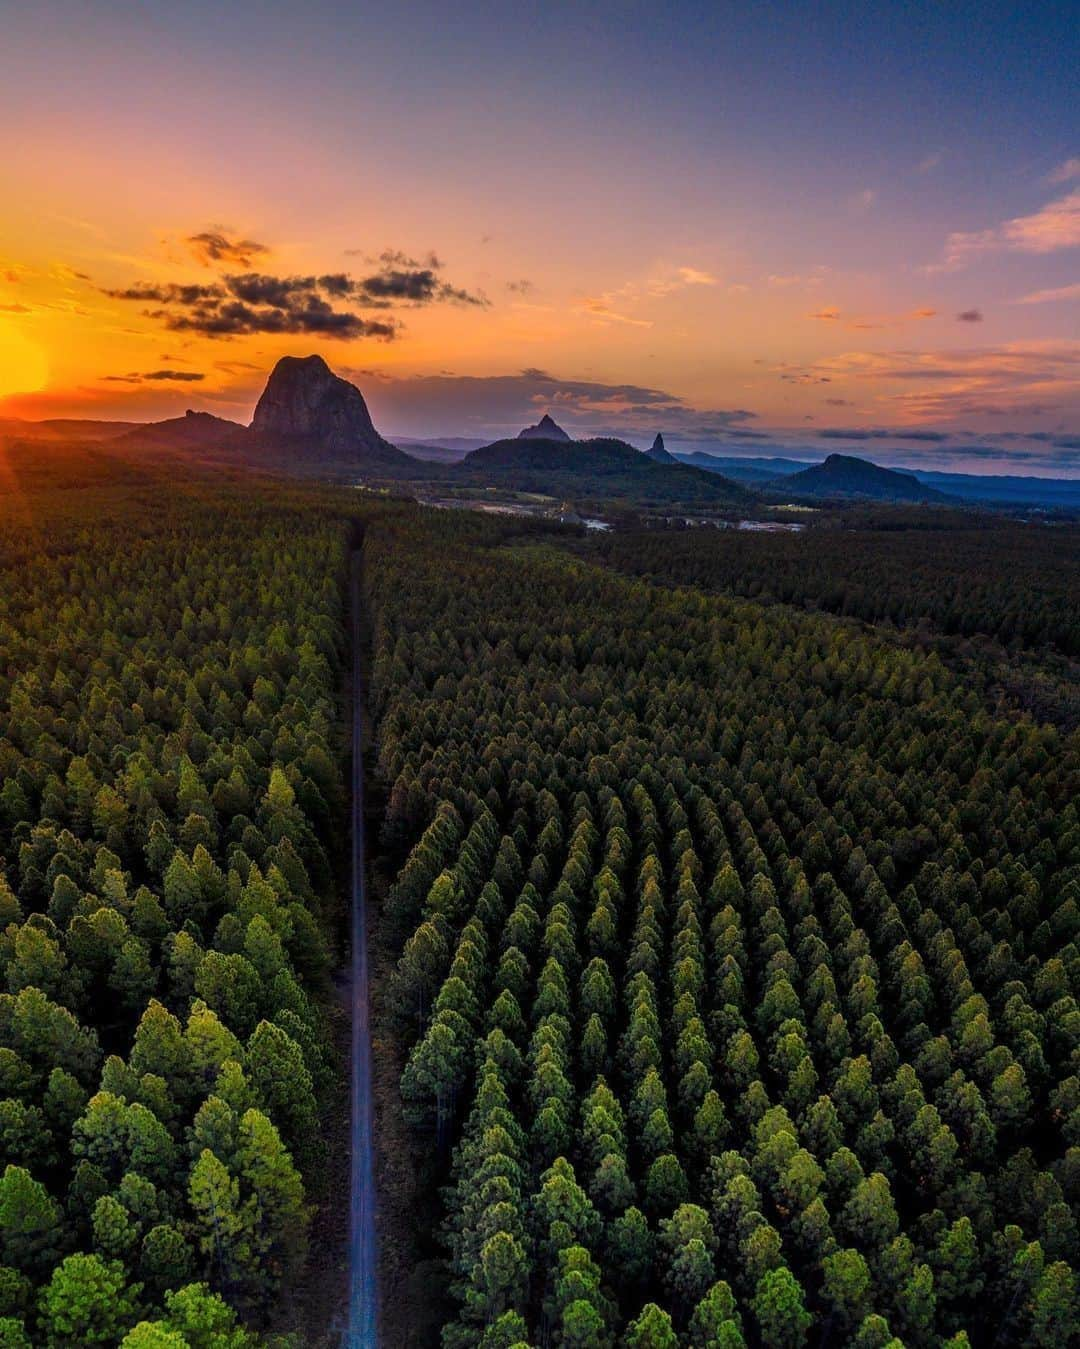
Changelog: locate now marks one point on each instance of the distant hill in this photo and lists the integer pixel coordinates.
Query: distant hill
(991, 489)
(194, 430)
(63, 429)
(545, 429)
(659, 453)
(308, 411)
(602, 468)
(754, 472)
(439, 449)
(844, 476)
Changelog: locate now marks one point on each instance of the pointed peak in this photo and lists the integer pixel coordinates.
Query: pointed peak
(547, 428)
(659, 451)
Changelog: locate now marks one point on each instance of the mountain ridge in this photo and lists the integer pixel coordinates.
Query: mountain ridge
(846, 476)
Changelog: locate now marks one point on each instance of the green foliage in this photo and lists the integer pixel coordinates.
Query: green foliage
(738, 953)
(169, 813)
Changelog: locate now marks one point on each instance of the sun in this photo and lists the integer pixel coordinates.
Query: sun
(23, 368)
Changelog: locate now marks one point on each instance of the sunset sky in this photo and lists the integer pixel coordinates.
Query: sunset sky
(709, 219)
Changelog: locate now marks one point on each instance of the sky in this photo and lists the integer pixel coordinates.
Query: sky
(744, 225)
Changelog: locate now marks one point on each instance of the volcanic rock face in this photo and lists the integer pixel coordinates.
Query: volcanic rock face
(545, 429)
(305, 401)
(659, 452)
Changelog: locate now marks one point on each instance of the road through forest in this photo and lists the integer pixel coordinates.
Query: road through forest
(363, 1320)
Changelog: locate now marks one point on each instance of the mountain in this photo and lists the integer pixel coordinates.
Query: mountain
(754, 472)
(307, 409)
(545, 429)
(194, 430)
(439, 449)
(842, 475)
(658, 454)
(595, 469)
(1003, 490)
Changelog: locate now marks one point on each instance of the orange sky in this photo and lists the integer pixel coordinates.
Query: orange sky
(699, 247)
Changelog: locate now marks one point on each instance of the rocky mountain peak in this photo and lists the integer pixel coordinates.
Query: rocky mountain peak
(545, 429)
(305, 401)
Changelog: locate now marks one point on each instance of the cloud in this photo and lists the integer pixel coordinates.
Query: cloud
(1051, 296)
(862, 201)
(1017, 378)
(1055, 226)
(970, 316)
(693, 276)
(599, 308)
(492, 406)
(166, 294)
(780, 280)
(930, 162)
(829, 312)
(879, 433)
(1066, 172)
(396, 257)
(156, 377)
(520, 287)
(839, 402)
(245, 303)
(214, 245)
(923, 313)
(15, 308)
(60, 271)
(411, 285)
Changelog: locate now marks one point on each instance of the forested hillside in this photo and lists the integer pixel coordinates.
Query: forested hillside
(735, 951)
(737, 964)
(170, 804)
(1016, 583)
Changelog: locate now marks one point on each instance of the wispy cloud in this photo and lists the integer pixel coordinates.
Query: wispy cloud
(214, 245)
(599, 307)
(1052, 295)
(970, 316)
(829, 312)
(694, 276)
(156, 377)
(1030, 377)
(930, 162)
(1065, 172)
(1055, 226)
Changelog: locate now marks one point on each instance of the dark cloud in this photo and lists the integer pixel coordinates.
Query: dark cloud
(170, 294)
(520, 287)
(970, 316)
(15, 308)
(277, 291)
(412, 285)
(243, 303)
(156, 376)
(415, 285)
(498, 405)
(305, 312)
(804, 377)
(838, 402)
(843, 433)
(215, 246)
